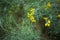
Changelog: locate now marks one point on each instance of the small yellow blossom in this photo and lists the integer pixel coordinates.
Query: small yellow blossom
(28, 15)
(45, 18)
(31, 17)
(33, 20)
(58, 15)
(47, 25)
(32, 9)
(49, 21)
(48, 5)
(32, 13)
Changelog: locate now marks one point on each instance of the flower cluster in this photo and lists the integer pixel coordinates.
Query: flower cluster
(48, 22)
(48, 5)
(30, 15)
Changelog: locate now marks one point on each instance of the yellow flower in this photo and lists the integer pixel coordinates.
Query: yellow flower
(49, 21)
(32, 9)
(58, 15)
(33, 20)
(32, 13)
(48, 5)
(47, 25)
(28, 15)
(45, 18)
(31, 17)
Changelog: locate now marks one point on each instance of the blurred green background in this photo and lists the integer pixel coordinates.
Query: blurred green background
(15, 25)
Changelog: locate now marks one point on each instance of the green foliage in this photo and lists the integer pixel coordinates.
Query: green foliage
(15, 27)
